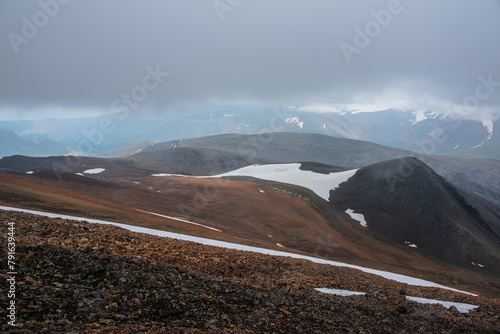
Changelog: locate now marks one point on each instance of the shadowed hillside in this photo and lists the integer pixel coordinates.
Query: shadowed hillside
(424, 209)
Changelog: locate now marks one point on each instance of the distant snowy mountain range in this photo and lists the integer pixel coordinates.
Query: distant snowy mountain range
(421, 131)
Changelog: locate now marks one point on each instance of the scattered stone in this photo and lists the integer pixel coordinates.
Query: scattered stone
(125, 282)
(113, 307)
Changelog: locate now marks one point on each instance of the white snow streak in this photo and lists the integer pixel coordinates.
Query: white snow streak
(461, 307)
(489, 127)
(385, 274)
(180, 219)
(295, 120)
(339, 292)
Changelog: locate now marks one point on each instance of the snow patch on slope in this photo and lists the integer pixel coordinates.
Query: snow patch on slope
(357, 216)
(419, 116)
(321, 184)
(294, 120)
(488, 124)
(461, 307)
(422, 115)
(339, 292)
(489, 127)
(94, 171)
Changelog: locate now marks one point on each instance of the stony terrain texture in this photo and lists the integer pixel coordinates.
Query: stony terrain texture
(76, 277)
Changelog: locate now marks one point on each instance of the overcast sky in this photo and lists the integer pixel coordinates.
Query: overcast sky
(88, 56)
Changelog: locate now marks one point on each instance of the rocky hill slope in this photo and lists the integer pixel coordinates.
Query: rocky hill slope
(405, 201)
(90, 278)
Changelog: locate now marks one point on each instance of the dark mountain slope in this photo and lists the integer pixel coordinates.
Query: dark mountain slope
(119, 167)
(183, 160)
(286, 147)
(481, 176)
(190, 161)
(475, 175)
(404, 200)
(217, 154)
(488, 149)
(126, 150)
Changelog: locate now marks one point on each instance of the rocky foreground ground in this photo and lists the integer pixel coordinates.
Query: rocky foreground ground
(76, 277)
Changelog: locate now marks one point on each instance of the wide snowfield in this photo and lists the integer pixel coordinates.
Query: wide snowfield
(228, 245)
(321, 184)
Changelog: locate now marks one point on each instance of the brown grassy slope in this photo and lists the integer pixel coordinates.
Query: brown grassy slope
(92, 201)
(242, 212)
(89, 278)
(301, 222)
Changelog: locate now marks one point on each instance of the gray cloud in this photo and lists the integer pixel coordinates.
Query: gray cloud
(429, 55)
